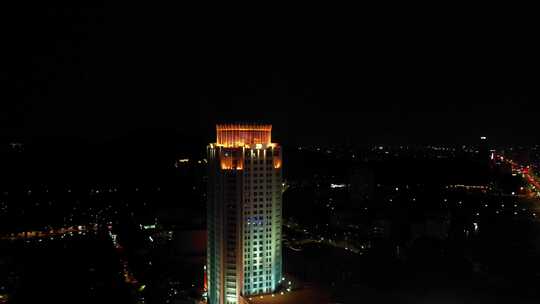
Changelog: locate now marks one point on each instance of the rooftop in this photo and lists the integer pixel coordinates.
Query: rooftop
(239, 135)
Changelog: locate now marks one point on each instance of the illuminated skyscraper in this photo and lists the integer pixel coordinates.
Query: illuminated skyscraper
(244, 213)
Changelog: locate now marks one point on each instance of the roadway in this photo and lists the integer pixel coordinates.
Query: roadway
(525, 171)
(51, 233)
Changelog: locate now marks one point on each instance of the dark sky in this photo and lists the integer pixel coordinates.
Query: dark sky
(318, 77)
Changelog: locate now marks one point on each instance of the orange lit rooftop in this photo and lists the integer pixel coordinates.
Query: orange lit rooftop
(240, 135)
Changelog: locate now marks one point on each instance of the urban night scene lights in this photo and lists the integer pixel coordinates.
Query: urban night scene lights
(164, 155)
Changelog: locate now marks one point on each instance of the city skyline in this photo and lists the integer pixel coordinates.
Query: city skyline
(164, 155)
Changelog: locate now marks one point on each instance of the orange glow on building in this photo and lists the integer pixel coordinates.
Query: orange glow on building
(227, 164)
(240, 135)
(205, 280)
(242, 155)
(231, 159)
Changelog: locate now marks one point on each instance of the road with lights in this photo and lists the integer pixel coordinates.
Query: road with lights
(525, 171)
(51, 233)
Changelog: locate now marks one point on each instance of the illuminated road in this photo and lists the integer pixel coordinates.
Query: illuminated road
(533, 181)
(525, 171)
(127, 274)
(310, 238)
(66, 232)
(58, 232)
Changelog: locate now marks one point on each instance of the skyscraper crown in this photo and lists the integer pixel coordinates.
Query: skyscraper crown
(239, 135)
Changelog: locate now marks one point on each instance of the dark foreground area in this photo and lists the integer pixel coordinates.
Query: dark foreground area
(78, 270)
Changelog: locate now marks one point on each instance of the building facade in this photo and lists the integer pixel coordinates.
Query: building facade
(244, 213)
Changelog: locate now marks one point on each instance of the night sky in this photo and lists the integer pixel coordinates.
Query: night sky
(102, 73)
